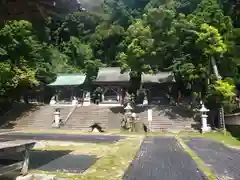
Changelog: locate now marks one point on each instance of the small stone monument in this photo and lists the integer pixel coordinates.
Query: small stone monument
(87, 99)
(74, 101)
(53, 100)
(204, 116)
(145, 101)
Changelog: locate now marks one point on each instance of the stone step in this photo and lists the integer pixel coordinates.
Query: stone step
(42, 117)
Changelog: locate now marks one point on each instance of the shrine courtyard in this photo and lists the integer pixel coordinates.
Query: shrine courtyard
(117, 155)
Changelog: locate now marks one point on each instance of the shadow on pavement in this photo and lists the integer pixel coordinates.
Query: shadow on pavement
(60, 161)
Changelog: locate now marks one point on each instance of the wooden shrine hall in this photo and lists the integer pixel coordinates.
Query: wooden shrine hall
(114, 85)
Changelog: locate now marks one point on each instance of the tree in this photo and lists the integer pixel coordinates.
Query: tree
(81, 57)
(105, 43)
(138, 52)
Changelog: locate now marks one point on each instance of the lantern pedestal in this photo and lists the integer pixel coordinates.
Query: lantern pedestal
(205, 127)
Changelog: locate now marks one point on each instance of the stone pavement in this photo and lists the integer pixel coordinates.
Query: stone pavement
(162, 158)
(62, 137)
(224, 161)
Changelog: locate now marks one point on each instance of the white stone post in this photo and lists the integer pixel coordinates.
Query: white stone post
(56, 118)
(103, 97)
(204, 116)
(150, 119)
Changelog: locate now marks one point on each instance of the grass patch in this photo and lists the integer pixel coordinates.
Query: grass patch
(201, 165)
(115, 158)
(76, 148)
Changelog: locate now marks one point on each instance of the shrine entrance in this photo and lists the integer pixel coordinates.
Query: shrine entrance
(67, 87)
(113, 85)
(158, 87)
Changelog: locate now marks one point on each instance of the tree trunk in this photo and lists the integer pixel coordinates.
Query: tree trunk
(215, 68)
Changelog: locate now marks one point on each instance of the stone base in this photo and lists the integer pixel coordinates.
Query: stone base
(206, 129)
(75, 102)
(27, 177)
(55, 125)
(86, 103)
(53, 102)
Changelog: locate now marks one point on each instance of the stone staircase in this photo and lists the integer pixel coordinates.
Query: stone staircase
(83, 117)
(167, 118)
(164, 118)
(41, 116)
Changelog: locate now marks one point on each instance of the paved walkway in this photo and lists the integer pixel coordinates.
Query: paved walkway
(61, 137)
(225, 162)
(162, 158)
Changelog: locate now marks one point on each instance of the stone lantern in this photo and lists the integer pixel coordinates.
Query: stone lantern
(204, 116)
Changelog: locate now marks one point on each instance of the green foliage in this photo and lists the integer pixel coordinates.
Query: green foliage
(222, 92)
(144, 36)
(105, 43)
(139, 43)
(210, 40)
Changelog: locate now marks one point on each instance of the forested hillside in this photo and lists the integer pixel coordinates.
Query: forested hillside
(183, 36)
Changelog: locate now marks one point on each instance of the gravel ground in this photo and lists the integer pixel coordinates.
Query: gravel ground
(62, 137)
(60, 161)
(224, 161)
(162, 158)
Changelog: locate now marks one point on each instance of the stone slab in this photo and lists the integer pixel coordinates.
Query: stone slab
(62, 137)
(27, 177)
(224, 161)
(60, 161)
(162, 158)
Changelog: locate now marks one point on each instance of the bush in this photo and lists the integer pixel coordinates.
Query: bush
(222, 93)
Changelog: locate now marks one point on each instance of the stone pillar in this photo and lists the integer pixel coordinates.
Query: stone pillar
(103, 97)
(150, 119)
(118, 95)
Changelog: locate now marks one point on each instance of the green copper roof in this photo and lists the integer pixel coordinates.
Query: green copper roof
(160, 77)
(112, 74)
(74, 79)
